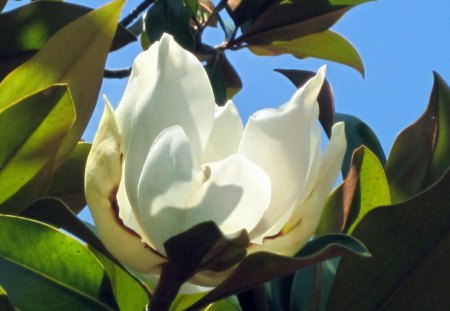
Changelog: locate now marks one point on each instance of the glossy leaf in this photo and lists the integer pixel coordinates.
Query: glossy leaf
(410, 250)
(364, 189)
(325, 98)
(169, 16)
(5, 303)
(30, 26)
(68, 180)
(129, 294)
(31, 132)
(421, 152)
(358, 133)
(224, 79)
(288, 20)
(44, 269)
(74, 55)
(325, 45)
(271, 266)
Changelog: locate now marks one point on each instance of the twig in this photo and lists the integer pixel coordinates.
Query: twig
(117, 73)
(136, 12)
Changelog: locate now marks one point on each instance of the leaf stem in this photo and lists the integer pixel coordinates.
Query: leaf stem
(117, 73)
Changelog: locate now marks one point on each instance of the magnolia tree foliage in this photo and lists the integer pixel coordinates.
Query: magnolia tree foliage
(194, 210)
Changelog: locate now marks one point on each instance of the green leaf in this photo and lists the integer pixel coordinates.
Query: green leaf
(169, 16)
(358, 133)
(68, 180)
(75, 55)
(270, 266)
(44, 269)
(203, 247)
(325, 98)
(410, 250)
(288, 20)
(325, 45)
(5, 304)
(129, 294)
(29, 27)
(224, 79)
(364, 188)
(421, 152)
(31, 132)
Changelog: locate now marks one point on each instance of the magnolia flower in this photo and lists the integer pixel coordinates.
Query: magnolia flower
(168, 158)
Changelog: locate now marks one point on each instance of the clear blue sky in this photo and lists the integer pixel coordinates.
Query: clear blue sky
(401, 43)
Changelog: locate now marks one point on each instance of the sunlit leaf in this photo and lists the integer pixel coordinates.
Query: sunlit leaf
(410, 250)
(5, 304)
(129, 294)
(31, 132)
(364, 188)
(169, 16)
(421, 152)
(30, 26)
(325, 45)
(68, 180)
(325, 98)
(74, 55)
(44, 269)
(358, 133)
(271, 266)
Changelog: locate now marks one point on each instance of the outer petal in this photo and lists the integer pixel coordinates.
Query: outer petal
(103, 173)
(176, 194)
(279, 141)
(168, 86)
(307, 215)
(226, 134)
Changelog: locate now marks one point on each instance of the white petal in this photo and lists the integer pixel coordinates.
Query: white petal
(176, 194)
(282, 142)
(103, 173)
(168, 86)
(226, 134)
(307, 215)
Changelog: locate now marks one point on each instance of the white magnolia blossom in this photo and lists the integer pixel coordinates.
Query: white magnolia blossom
(168, 158)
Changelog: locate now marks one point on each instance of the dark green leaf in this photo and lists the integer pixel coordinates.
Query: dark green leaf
(421, 152)
(129, 294)
(288, 20)
(364, 188)
(224, 79)
(31, 132)
(169, 16)
(5, 304)
(325, 98)
(68, 180)
(44, 269)
(410, 250)
(75, 55)
(254, 299)
(325, 45)
(9, 64)
(358, 133)
(271, 266)
(29, 27)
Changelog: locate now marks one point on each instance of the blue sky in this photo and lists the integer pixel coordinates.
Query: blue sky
(400, 45)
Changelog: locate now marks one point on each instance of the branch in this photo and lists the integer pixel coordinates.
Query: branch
(136, 12)
(117, 73)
